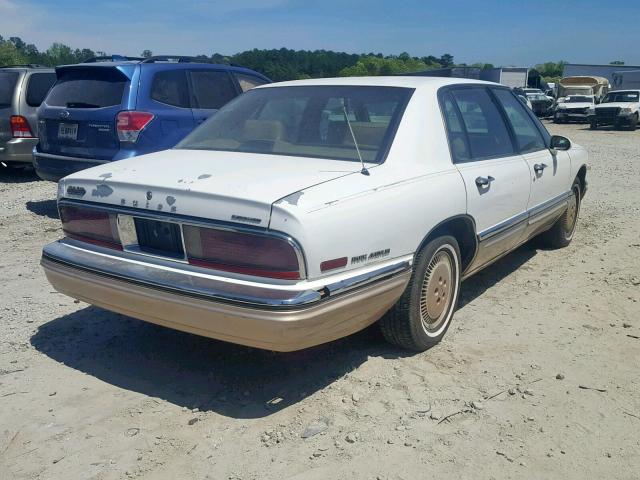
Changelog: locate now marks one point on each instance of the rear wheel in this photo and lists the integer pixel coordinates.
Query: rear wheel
(422, 315)
(561, 234)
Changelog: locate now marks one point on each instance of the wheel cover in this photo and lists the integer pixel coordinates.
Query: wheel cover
(438, 289)
(571, 217)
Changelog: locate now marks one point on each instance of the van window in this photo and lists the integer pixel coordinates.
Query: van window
(211, 89)
(487, 133)
(247, 82)
(527, 134)
(88, 88)
(7, 85)
(171, 88)
(38, 87)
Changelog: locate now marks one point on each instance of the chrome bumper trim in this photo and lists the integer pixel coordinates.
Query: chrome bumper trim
(194, 281)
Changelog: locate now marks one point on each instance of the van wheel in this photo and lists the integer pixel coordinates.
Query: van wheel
(422, 316)
(561, 234)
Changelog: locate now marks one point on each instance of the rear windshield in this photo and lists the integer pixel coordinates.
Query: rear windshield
(579, 99)
(88, 88)
(330, 122)
(7, 84)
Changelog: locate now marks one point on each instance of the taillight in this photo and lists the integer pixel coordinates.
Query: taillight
(130, 123)
(244, 253)
(91, 226)
(20, 127)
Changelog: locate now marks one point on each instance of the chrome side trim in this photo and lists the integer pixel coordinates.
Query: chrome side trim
(359, 280)
(196, 282)
(502, 226)
(196, 222)
(547, 207)
(72, 159)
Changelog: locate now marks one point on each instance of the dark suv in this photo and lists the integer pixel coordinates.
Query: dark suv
(101, 111)
(22, 89)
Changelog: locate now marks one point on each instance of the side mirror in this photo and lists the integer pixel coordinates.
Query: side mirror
(559, 143)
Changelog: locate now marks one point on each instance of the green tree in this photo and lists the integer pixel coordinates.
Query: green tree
(146, 54)
(9, 54)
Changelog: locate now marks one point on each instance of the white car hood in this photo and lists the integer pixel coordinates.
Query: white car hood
(226, 186)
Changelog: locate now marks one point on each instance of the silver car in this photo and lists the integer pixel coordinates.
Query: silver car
(22, 90)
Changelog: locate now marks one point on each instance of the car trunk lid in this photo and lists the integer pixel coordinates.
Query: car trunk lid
(222, 186)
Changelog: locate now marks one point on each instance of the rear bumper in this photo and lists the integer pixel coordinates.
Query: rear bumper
(54, 167)
(18, 150)
(274, 317)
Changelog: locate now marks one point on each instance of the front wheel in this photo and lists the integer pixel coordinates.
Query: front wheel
(421, 317)
(561, 234)
(593, 125)
(633, 123)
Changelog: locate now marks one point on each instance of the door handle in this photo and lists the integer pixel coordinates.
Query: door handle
(484, 181)
(539, 167)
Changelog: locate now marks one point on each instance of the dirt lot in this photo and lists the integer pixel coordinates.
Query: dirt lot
(540, 370)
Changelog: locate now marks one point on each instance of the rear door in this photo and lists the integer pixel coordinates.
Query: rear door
(164, 91)
(496, 176)
(211, 89)
(79, 113)
(8, 83)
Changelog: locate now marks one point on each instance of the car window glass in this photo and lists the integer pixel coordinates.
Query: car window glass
(8, 82)
(88, 88)
(455, 132)
(247, 82)
(527, 134)
(486, 131)
(306, 121)
(170, 87)
(211, 89)
(39, 86)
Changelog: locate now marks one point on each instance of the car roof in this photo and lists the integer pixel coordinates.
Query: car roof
(408, 81)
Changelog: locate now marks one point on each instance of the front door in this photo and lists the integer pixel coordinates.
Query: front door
(495, 175)
(550, 172)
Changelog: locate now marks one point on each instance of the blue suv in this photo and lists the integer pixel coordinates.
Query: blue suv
(109, 109)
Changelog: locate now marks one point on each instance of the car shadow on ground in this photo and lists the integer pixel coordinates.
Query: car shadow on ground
(18, 175)
(197, 372)
(44, 208)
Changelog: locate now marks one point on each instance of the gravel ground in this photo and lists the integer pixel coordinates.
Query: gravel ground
(538, 373)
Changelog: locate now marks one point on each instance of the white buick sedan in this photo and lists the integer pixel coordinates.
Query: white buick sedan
(305, 211)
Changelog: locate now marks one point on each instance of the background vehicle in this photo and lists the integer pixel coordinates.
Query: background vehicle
(574, 107)
(596, 86)
(619, 108)
(103, 111)
(22, 89)
(541, 104)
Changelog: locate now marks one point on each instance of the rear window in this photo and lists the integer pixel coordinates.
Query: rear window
(211, 89)
(170, 87)
(88, 88)
(39, 85)
(7, 84)
(320, 121)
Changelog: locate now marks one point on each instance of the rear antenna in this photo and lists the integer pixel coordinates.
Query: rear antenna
(364, 170)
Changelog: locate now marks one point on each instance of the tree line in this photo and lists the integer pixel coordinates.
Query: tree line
(277, 64)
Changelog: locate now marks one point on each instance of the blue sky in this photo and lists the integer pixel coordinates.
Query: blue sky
(520, 33)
